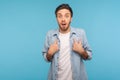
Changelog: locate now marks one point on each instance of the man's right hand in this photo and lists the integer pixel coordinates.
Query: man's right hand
(52, 50)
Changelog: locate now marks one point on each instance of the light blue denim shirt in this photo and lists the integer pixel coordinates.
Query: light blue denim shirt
(78, 69)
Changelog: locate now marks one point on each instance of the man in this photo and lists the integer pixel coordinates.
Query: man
(66, 48)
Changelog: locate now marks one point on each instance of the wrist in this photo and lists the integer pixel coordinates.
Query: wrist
(49, 56)
(82, 51)
(84, 54)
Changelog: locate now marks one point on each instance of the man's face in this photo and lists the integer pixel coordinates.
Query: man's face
(64, 18)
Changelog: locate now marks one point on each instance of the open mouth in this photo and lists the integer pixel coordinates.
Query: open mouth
(64, 24)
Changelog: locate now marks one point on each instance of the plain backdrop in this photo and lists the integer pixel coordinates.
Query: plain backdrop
(24, 24)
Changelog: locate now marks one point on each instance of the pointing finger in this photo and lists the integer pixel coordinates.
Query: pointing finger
(56, 41)
(80, 41)
(74, 40)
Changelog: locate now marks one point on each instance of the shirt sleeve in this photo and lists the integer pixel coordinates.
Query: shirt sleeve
(46, 47)
(86, 46)
(89, 55)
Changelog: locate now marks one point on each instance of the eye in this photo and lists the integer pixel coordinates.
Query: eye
(67, 15)
(59, 16)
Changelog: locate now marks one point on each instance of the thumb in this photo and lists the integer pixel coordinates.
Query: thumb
(74, 40)
(56, 41)
(80, 41)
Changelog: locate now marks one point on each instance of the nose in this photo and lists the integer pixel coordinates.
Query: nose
(63, 19)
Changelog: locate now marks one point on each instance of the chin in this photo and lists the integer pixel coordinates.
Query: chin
(64, 29)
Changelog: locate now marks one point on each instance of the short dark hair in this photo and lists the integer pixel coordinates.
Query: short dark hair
(64, 6)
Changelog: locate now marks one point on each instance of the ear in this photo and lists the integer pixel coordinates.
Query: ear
(71, 20)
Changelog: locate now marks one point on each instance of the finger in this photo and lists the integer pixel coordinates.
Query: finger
(80, 41)
(74, 40)
(56, 41)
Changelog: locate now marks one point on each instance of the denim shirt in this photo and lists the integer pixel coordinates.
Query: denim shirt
(78, 69)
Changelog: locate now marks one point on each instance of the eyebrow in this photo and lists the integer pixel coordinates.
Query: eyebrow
(65, 13)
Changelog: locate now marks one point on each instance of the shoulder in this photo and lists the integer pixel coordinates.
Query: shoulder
(78, 30)
(52, 32)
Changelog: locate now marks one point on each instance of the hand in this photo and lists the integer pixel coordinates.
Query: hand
(53, 48)
(77, 47)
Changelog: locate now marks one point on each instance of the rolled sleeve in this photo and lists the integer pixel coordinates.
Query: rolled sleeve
(89, 55)
(87, 46)
(46, 47)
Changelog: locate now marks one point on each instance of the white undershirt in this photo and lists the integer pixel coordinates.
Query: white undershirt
(64, 63)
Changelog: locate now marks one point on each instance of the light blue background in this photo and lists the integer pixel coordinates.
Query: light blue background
(23, 26)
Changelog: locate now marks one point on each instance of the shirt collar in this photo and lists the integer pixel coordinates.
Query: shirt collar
(72, 31)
